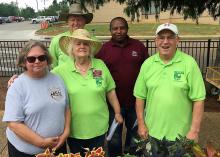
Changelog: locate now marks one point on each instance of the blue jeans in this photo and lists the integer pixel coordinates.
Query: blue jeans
(115, 144)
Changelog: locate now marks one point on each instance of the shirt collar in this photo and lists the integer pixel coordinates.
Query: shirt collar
(71, 63)
(126, 42)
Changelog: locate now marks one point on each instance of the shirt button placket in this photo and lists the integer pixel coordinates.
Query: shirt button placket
(164, 73)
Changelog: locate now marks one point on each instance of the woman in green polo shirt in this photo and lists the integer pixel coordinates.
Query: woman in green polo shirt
(88, 82)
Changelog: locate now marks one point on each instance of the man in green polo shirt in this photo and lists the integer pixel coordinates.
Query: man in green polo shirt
(76, 18)
(169, 93)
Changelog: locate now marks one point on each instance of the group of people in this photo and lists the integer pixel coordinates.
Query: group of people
(91, 85)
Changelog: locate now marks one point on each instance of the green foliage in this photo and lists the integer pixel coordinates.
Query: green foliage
(94, 4)
(28, 12)
(9, 9)
(52, 9)
(188, 8)
(12, 10)
(181, 142)
(214, 8)
(128, 155)
(181, 148)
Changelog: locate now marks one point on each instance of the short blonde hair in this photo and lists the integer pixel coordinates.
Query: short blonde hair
(27, 48)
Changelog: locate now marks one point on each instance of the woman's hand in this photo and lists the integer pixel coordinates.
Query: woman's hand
(11, 80)
(113, 100)
(66, 132)
(30, 136)
(50, 142)
(61, 141)
(118, 118)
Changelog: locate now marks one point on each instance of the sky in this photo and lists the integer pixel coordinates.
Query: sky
(31, 3)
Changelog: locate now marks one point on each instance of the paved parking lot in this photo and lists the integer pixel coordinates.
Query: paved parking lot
(19, 31)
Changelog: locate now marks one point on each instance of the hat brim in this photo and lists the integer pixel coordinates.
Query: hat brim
(66, 40)
(88, 16)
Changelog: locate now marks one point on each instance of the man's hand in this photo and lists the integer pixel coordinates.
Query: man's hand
(193, 135)
(142, 131)
(11, 80)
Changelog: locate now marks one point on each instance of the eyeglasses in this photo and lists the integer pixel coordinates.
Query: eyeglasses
(32, 59)
(162, 38)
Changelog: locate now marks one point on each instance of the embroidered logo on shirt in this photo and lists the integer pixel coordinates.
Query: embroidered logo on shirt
(134, 53)
(178, 75)
(55, 93)
(97, 75)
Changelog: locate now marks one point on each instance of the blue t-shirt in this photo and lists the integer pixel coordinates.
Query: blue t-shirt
(40, 104)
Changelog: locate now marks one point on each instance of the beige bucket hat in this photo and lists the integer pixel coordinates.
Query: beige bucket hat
(80, 34)
(76, 9)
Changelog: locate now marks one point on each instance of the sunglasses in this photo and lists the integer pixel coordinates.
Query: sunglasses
(32, 59)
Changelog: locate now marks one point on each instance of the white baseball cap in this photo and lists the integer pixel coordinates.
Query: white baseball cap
(167, 26)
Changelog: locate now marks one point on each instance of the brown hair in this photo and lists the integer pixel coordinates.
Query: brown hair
(27, 48)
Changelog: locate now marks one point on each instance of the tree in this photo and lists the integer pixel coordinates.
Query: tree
(52, 9)
(132, 10)
(27, 12)
(188, 8)
(9, 9)
(94, 4)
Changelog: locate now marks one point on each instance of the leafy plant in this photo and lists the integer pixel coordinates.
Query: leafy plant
(182, 147)
(93, 153)
(128, 155)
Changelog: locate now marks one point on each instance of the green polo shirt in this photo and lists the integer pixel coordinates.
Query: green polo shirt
(89, 110)
(58, 57)
(169, 90)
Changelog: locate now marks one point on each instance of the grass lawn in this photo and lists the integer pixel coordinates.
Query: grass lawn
(140, 29)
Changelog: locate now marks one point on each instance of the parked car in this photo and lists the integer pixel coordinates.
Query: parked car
(15, 18)
(1, 20)
(7, 19)
(12, 18)
(22, 18)
(40, 19)
(54, 18)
